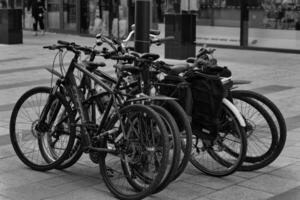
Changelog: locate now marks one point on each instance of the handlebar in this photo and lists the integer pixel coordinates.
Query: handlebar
(128, 58)
(63, 42)
(162, 40)
(72, 46)
(153, 34)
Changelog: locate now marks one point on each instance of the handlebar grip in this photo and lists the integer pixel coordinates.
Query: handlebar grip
(154, 32)
(125, 58)
(168, 38)
(63, 42)
(47, 47)
(52, 47)
(161, 40)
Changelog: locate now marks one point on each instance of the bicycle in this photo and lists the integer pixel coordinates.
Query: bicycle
(145, 76)
(123, 141)
(259, 154)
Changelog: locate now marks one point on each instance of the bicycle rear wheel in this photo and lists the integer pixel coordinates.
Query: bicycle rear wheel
(36, 148)
(175, 147)
(185, 130)
(212, 155)
(142, 145)
(276, 116)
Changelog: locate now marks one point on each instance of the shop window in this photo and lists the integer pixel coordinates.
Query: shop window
(107, 16)
(69, 14)
(218, 22)
(4, 4)
(275, 24)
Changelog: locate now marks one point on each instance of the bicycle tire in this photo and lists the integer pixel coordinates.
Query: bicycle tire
(74, 154)
(261, 131)
(212, 163)
(105, 169)
(174, 132)
(185, 129)
(277, 117)
(43, 165)
(174, 159)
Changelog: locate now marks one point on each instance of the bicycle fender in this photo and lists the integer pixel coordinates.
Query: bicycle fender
(241, 82)
(152, 98)
(235, 111)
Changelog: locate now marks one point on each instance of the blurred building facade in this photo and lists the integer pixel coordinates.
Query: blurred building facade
(269, 23)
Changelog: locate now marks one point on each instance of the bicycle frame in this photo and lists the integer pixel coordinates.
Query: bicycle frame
(68, 83)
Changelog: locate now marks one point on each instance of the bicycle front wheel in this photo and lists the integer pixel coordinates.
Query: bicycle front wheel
(141, 153)
(41, 150)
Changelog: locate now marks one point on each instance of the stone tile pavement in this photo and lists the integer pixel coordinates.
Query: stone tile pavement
(274, 74)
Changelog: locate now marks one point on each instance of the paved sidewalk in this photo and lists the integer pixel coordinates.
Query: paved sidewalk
(275, 75)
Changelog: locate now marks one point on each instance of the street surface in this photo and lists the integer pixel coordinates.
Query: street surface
(276, 75)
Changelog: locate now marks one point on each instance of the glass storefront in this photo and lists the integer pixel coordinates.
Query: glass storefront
(264, 23)
(3, 4)
(53, 14)
(10, 4)
(252, 23)
(217, 21)
(275, 24)
(69, 15)
(106, 16)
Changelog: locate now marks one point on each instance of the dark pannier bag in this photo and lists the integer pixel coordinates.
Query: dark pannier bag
(177, 87)
(207, 92)
(218, 71)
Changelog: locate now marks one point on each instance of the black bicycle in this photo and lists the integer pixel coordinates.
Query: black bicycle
(141, 75)
(134, 148)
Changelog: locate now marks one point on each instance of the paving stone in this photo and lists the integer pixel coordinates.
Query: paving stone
(291, 152)
(92, 170)
(293, 194)
(77, 185)
(158, 197)
(290, 172)
(33, 176)
(10, 164)
(270, 184)
(6, 151)
(4, 198)
(182, 190)
(31, 191)
(280, 162)
(297, 144)
(10, 180)
(85, 193)
(213, 182)
(202, 198)
(60, 180)
(247, 175)
(238, 193)
(183, 177)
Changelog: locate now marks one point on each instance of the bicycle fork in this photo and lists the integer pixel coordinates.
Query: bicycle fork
(49, 112)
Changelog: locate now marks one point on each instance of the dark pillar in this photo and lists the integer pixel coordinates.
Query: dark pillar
(11, 26)
(244, 23)
(183, 27)
(142, 25)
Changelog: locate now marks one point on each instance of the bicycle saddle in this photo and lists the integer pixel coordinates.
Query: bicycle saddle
(178, 68)
(191, 60)
(150, 56)
(91, 66)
